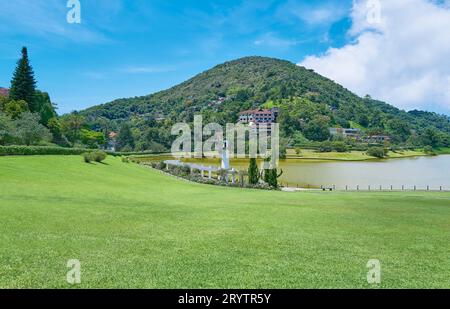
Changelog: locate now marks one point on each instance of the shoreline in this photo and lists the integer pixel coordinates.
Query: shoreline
(332, 156)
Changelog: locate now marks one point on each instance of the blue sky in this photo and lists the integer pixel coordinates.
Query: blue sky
(126, 48)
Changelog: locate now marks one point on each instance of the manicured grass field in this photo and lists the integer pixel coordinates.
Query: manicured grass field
(132, 227)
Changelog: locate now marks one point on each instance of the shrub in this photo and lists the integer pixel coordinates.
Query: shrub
(340, 147)
(326, 147)
(99, 156)
(428, 150)
(87, 156)
(162, 165)
(377, 152)
(182, 171)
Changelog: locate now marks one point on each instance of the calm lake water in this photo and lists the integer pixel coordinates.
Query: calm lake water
(409, 172)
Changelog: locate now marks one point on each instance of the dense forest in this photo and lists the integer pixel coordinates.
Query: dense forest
(309, 105)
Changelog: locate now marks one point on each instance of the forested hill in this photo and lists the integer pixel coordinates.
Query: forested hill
(309, 102)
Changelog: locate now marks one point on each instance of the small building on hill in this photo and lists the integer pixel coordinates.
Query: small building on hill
(259, 115)
(256, 117)
(378, 139)
(112, 141)
(350, 133)
(4, 92)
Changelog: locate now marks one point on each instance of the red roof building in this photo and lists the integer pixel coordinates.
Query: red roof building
(258, 116)
(4, 92)
(112, 135)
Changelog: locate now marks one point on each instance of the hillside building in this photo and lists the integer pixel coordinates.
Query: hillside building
(4, 92)
(259, 116)
(256, 117)
(350, 133)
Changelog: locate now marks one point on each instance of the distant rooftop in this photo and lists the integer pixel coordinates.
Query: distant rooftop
(4, 92)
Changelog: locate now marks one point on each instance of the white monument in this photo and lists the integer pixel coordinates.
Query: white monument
(225, 157)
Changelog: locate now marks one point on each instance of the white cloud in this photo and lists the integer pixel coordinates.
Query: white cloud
(323, 13)
(404, 59)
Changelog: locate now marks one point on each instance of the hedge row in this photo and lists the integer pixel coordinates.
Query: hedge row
(127, 154)
(39, 150)
(54, 150)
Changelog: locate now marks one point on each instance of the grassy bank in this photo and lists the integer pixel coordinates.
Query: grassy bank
(310, 154)
(442, 151)
(133, 227)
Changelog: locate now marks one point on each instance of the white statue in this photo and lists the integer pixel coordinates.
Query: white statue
(225, 157)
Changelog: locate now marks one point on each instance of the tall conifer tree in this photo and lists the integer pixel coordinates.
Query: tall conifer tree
(23, 84)
(253, 172)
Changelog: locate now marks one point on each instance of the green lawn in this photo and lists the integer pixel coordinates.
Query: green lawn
(133, 227)
(443, 150)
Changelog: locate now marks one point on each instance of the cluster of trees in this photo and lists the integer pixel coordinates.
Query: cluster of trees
(28, 117)
(270, 175)
(26, 114)
(378, 152)
(302, 121)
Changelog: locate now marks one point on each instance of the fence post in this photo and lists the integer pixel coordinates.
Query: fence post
(392, 188)
(415, 188)
(428, 188)
(381, 188)
(357, 187)
(346, 187)
(403, 187)
(440, 188)
(369, 187)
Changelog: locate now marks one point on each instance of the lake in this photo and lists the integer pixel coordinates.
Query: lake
(433, 171)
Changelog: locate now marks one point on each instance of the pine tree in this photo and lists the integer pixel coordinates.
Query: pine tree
(253, 172)
(125, 138)
(267, 176)
(23, 84)
(273, 178)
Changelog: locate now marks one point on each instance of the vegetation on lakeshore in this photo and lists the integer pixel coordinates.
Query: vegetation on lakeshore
(312, 154)
(218, 178)
(133, 227)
